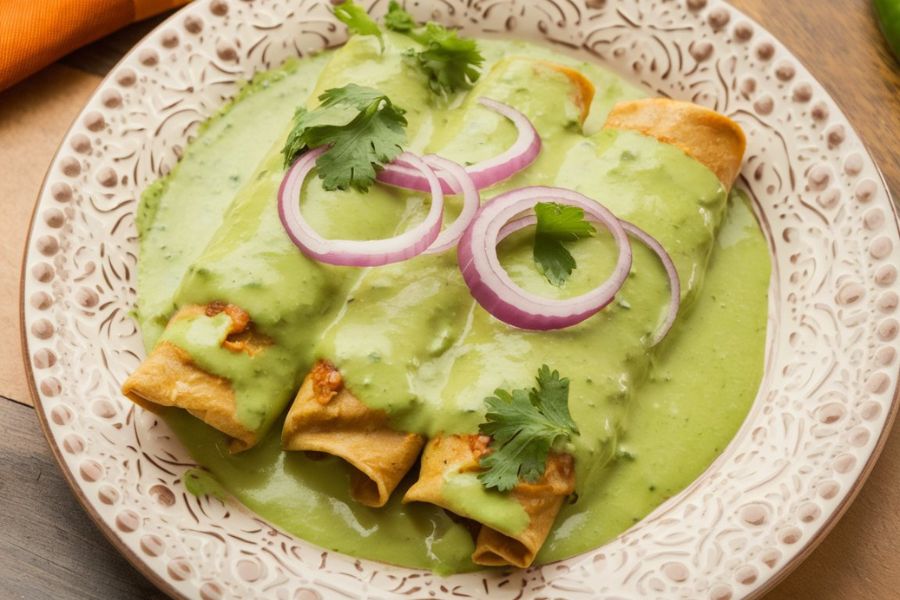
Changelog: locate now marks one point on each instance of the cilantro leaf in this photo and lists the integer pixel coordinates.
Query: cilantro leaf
(553, 260)
(358, 20)
(562, 221)
(363, 127)
(557, 223)
(450, 62)
(397, 19)
(524, 426)
(357, 96)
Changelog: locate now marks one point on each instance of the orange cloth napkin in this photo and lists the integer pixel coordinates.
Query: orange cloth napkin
(34, 33)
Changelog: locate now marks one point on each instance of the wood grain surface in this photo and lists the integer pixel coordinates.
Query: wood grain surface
(48, 546)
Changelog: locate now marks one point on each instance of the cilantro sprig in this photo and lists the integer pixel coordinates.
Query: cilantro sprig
(557, 223)
(363, 128)
(398, 19)
(358, 20)
(524, 425)
(451, 63)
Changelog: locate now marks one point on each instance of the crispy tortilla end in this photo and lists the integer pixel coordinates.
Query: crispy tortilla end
(169, 378)
(326, 417)
(703, 134)
(541, 500)
(583, 90)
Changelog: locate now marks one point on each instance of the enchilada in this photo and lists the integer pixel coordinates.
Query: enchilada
(610, 365)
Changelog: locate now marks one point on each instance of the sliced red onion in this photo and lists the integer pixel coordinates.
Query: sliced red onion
(492, 286)
(674, 282)
(486, 173)
(402, 176)
(650, 242)
(517, 157)
(357, 253)
(460, 183)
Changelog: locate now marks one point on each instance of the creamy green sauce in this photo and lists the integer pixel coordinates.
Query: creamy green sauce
(179, 213)
(249, 260)
(463, 491)
(200, 483)
(409, 338)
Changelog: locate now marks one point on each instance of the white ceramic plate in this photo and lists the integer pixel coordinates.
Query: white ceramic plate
(821, 416)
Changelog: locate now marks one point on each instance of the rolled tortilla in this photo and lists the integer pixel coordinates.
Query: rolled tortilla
(708, 138)
(169, 377)
(703, 134)
(447, 456)
(326, 417)
(542, 501)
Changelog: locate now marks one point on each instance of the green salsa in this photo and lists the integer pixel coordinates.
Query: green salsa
(409, 338)
(498, 511)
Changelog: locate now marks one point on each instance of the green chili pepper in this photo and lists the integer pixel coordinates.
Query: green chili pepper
(888, 12)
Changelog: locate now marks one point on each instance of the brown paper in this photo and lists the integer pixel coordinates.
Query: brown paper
(34, 116)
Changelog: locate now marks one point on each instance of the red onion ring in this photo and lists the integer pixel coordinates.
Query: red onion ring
(496, 292)
(356, 253)
(486, 173)
(648, 240)
(460, 182)
(674, 281)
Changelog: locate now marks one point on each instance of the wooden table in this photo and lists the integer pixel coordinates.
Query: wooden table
(48, 546)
